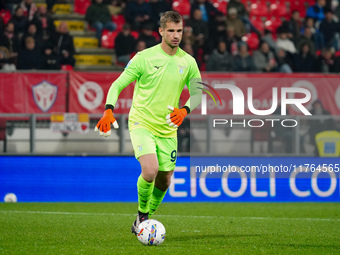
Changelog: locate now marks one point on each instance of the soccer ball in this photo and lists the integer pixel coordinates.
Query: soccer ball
(151, 232)
(10, 198)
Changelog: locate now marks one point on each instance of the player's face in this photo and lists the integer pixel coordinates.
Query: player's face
(172, 34)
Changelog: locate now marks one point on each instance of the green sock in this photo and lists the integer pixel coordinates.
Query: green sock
(144, 193)
(156, 199)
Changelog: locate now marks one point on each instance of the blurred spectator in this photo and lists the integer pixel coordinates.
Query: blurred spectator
(138, 13)
(2, 4)
(319, 125)
(317, 36)
(188, 49)
(307, 37)
(147, 37)
(239, 6)
(207, 9)
(316, 11)
(29, 8)
(264, 58)
(293, 26)
(337, 11)
(243, 14)
(2, 25)
(199, 29)
(125, 44)
(243, 62)
(11, 4)
(329, 3)
(188, 37)
(158, 7)
(141, 45)
(10, 41)
(50, 4)
(286, 135)
(268, 38)
(327, 62)
(50, 59)
(283, 42)
(44, 23)
(32, 32)
(183, 136)
(217, 30)
(116, 7)
(220, 60)
(63, 45)
(234, 21)
(5, 60)
(284, 61)
(231, 41)
(29, 58)
(329, 28)
(304, 61)
(20, 22)
(99, 17)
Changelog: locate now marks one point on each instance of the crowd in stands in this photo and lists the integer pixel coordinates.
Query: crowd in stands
(29, 39)
(305, 40)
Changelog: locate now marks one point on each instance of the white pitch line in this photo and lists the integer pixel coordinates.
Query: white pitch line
(177, 216)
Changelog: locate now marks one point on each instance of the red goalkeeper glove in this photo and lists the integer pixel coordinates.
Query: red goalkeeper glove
(175, 119)
(104, 124)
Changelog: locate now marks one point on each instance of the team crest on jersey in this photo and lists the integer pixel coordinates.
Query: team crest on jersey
(44, 95)
(181, 69)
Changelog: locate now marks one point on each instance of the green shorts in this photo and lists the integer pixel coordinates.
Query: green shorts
(144, 142)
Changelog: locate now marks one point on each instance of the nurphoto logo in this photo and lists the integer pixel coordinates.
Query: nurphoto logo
(238, 105)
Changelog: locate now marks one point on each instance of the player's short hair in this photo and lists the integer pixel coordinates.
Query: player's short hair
(170, 16)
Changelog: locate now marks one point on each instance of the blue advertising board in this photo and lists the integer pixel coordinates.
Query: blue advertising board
(113, 179)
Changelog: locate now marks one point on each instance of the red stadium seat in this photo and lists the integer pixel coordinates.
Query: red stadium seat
(135, 34)
(183, 7)
(66, 67)
(258, 23)
(298, 6)
(119, 20)
(279, 10)
(108, 39)
(5, 15)
(221, 5)
(80, 6)
(252, 40)
(259, 10)
(310, 2)
(273, 1)
(273, 24)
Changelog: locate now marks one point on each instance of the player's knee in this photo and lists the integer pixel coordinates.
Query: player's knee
(149, 172)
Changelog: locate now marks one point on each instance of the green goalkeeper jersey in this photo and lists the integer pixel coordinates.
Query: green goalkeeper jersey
(160, 79)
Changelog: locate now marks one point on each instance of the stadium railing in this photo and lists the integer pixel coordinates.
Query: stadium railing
(32, 134)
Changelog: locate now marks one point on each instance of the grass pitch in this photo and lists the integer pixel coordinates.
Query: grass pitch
(192, 228)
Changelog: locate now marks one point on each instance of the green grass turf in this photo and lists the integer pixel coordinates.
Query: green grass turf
(192, 228)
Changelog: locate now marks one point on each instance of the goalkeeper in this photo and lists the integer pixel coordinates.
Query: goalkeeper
(161, 73)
